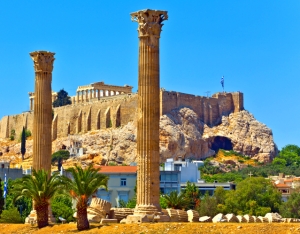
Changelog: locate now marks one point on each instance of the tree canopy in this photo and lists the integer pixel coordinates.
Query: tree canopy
(62, 99)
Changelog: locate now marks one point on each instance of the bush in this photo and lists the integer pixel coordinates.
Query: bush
(61, 206)
(11, 215)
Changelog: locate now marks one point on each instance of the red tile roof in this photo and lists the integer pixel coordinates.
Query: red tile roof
(282, 186)
(117, 169)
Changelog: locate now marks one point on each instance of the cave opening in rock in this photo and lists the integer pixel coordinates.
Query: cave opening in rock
(221, 143)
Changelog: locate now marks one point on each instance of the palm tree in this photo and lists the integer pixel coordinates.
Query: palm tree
(176, 200)
(40, 187)
(84, 184)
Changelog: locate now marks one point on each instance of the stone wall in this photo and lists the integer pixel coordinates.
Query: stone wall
(118, 110)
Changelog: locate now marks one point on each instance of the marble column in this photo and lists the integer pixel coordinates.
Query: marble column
(42, 120)
(149, 29)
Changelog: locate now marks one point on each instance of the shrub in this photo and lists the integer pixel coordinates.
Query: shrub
(11, 215)
(61, 206)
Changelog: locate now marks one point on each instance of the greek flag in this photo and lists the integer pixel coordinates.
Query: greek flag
(5, 187)
(222, 81)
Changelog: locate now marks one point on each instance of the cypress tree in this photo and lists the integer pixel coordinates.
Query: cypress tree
(23, 143)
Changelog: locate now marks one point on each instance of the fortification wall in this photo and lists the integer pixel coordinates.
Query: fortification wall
(118, 110)
(209, 109)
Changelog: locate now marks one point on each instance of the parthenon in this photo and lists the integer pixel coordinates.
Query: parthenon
(90, 92)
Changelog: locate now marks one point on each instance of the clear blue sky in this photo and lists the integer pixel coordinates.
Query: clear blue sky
(255, 44)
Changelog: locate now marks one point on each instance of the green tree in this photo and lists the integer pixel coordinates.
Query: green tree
(24, 204)
(252, 196)
(192, 193)
(23, 143)
(62, 99)
(176, 200)
(40, 187)
(291, 208)
(59, 156)
(208, 206)
(61, 206)
(220, 195)
(84, 184)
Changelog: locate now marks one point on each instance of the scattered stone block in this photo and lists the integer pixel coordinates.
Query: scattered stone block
(273, 217)
(137, 219)
(120, 213)
(219, 218)
(249, 218)
(205, 219)
(231, 218)
(193, 216)
(182, 216)
(98, 210)
(162, 218)
(241, 219)
(103, 221)
(173, 215)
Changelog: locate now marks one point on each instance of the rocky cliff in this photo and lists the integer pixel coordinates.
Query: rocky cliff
(182, 134)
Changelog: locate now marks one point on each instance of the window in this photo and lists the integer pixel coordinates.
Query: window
(123, 181)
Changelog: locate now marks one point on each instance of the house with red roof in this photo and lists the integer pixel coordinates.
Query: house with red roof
(121, 183)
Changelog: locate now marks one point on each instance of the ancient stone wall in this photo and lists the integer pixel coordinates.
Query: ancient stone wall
(118, 110)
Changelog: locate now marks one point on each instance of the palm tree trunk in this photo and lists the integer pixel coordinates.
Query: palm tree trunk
(42, 215)
(82, 220)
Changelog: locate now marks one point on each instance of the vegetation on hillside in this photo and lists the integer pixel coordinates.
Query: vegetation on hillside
(287, 162)
(62, 99)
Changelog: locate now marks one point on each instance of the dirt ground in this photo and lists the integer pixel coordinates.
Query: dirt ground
(156, 228)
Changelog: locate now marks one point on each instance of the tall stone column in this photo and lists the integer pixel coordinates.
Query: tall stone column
(149, 29)
(42, 121)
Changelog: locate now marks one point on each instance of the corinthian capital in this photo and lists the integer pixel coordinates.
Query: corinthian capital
(43, 61)
(150, 22)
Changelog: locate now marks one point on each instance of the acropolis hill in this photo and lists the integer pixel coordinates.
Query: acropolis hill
(190, 126)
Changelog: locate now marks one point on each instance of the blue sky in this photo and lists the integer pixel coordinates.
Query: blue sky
(255, 44)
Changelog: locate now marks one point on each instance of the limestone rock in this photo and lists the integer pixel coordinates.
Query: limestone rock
(98, 209)
(248, 136)
(173, 215)
(205, 219)
(182, 216)
(121, 213)
(181, 135)
(219, 218)
(273, 217)
(232, 218)
(249, 218)
(241, 219)
(193, 216)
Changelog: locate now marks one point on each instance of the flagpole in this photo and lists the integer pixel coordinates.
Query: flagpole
(5, 190)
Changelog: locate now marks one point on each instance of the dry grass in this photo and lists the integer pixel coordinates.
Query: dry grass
(172, 228)
(220, 157)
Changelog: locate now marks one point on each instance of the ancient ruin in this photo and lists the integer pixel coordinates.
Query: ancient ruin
(149, 29)
(42, 121)
(89, 93)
